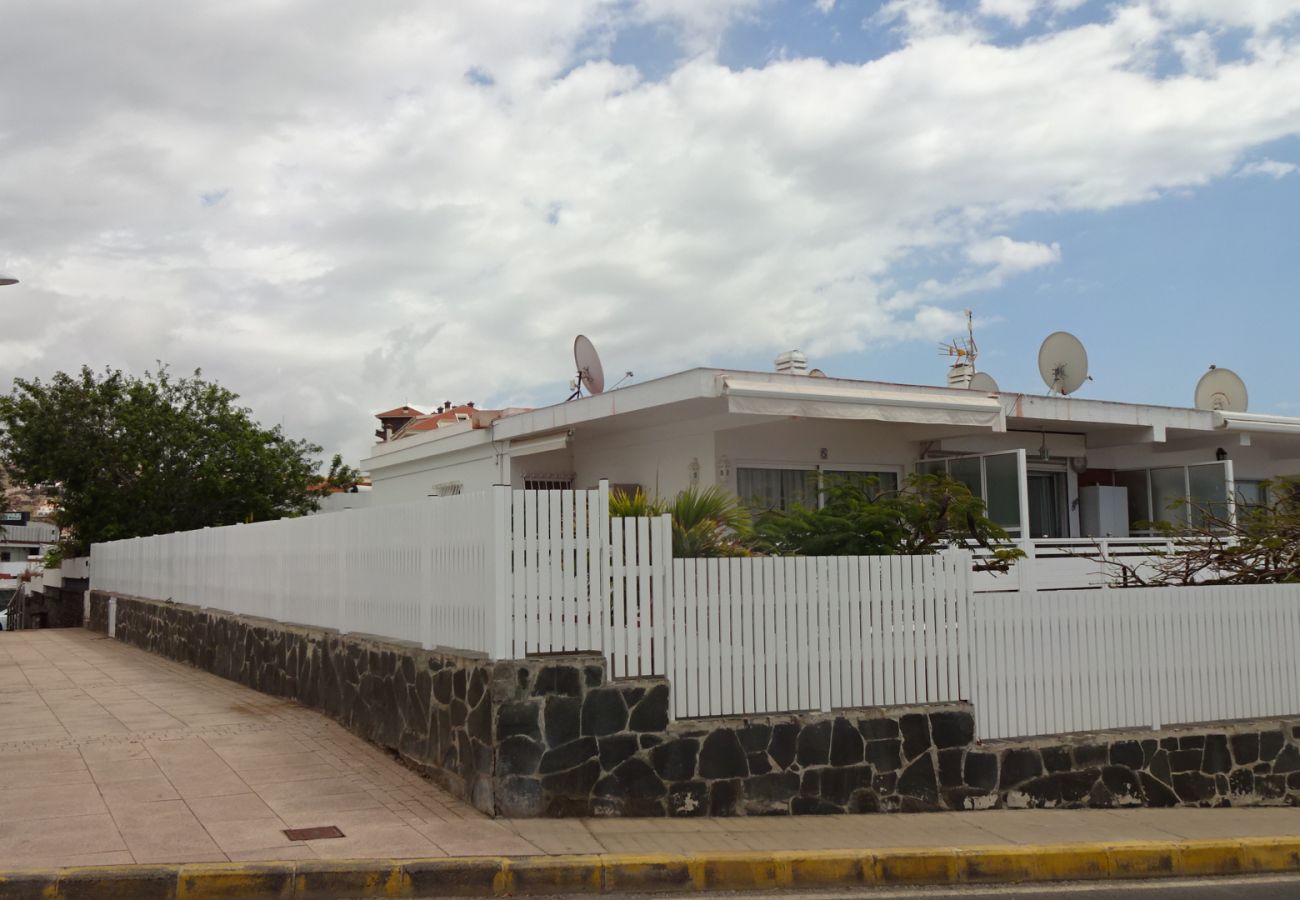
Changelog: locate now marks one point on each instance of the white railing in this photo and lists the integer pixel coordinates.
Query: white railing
(1068, 563)
(1049, 662)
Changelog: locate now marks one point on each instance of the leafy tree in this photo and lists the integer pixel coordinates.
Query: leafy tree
(706, 522)
(1259, 545)
(134, 456)
(928, 514)
(340, 475)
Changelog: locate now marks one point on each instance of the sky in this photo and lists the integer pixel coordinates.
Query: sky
(335, 208)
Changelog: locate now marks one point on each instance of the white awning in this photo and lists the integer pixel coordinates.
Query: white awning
(1257, 423)
(540, 445)
(815, 399)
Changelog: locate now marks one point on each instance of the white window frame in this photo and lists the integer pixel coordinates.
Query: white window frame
(1230, 484)
(1022, 478)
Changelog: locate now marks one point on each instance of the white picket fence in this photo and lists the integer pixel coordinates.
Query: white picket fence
(764, 635)
(1049, 662)
(428, 571)
(519, 573)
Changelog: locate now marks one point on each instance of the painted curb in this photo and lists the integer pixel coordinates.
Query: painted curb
(620, 873)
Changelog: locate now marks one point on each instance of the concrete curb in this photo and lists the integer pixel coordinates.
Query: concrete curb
(619, 873)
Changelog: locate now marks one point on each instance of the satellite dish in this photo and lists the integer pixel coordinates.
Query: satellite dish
(7, 279)
(590, 374)
(983, 381)
(1221, 390)
(1063, 363)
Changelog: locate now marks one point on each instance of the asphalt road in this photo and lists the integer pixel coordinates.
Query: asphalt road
(1256, 888)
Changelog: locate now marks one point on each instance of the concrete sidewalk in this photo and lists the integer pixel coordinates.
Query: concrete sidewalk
(109, 755)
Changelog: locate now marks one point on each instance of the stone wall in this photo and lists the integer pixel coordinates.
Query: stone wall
(552, 737)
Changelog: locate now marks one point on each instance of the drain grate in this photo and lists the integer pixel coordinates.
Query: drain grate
(313, 834)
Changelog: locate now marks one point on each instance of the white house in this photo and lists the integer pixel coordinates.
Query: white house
(1049, 467)
(20, 542)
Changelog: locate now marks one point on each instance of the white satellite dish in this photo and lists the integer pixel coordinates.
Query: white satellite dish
(1221, 390)
(983, 382)
(1063, 363)
(590, 374)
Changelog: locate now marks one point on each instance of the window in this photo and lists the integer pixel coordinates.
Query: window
(994, 478)
(548, 482)
(763, 489)
(1251, 493)
(447, 489)
(4, 556)
(1182, 495)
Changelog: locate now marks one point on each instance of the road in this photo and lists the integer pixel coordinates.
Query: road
(1285, 887)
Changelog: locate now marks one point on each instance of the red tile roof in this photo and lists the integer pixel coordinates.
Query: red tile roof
(402, 412)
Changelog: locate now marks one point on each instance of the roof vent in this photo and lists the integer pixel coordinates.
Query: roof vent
(960, 374)
(792, 362)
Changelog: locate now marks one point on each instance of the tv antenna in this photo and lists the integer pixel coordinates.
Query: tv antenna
(964, 349)
(1221, 390)
(590, 375)
(1063, 363)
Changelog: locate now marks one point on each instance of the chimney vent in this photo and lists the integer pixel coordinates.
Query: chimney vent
(792, 362)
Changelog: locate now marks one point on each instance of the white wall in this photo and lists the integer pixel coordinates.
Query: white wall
(475, 468)
(658, 459)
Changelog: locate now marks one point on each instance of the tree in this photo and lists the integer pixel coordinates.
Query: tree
(339, 477)
(929, 513)
(133, 456)
(706, 522)
(1259, 545)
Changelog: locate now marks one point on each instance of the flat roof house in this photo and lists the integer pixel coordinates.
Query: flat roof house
(1049, 467)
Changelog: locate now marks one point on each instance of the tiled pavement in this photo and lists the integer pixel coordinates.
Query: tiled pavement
(111, 755)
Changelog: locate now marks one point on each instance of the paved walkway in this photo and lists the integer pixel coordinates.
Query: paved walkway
(109, 754)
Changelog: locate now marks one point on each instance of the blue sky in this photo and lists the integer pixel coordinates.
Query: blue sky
(1158, 290)
(435, 213)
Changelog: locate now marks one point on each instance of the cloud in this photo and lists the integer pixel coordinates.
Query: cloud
(1017, 12)
(1272, 168)
(1010, 256)
(427, 202)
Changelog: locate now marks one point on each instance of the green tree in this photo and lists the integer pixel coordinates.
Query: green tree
(131, 456)
(929, 513)
(340, 475)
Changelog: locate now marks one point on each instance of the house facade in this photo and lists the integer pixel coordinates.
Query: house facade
(1050, 468)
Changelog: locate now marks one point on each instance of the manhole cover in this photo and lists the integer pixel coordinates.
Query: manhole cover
(313, 834)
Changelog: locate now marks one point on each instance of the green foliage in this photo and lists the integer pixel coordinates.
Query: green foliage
(706, 522)
(136, 456)
(340, 475)
(929, 513)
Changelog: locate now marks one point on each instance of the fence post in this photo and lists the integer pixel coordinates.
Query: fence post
(499, 616)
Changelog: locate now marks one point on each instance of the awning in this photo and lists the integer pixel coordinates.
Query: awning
(540, 445)
(815, 399)
(1257, 423)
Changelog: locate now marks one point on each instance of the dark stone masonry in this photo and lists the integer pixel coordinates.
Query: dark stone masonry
(552, 737)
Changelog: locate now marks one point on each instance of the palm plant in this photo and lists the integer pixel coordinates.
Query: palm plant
(706, 521)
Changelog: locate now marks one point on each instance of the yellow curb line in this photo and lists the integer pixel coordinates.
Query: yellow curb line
(488, 876)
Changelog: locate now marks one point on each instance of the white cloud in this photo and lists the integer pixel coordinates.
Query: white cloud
(1012, 256)
(1017, 12)
(390, 229)
(1271, 168)
(825, 6)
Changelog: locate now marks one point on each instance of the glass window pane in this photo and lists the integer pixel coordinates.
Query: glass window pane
(967, 471)
(1209, 486)
(1168, 487)
(1251, 493)
(1139, 509)
(798, 486)
(932, 467)
(1003, 474)
(759, 488)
